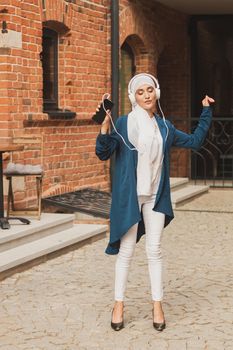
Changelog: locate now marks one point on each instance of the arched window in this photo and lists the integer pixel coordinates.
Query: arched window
(126, 73)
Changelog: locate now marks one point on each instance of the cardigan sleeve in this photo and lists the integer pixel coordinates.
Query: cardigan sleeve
(106, 144)
(194, 140)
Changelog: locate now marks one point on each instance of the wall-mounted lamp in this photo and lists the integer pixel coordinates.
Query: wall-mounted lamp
(4, 27)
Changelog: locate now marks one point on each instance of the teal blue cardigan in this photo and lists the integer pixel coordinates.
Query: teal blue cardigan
(125, 211)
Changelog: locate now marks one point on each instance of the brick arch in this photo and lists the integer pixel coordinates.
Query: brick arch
(141, 54)
(57, 189)
(135, 30)
(62, 13)
(59, 27)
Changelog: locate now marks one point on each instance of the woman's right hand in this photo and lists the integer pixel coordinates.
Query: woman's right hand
(105, 126)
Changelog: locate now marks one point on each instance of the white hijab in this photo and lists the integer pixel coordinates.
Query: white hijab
(144, 135)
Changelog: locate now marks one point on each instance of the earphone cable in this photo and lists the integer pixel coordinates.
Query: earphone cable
(109, 115)
(164, 120)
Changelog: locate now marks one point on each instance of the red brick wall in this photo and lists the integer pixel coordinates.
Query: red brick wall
(84, 75)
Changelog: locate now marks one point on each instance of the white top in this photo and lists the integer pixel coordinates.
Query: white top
(156, 163)
(159, 159)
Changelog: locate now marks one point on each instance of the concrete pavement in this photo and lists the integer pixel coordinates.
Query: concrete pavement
(65, 303)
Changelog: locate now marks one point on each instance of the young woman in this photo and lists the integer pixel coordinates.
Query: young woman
(141, 201)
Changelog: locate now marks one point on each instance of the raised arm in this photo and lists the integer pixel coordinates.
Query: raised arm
(196, 139)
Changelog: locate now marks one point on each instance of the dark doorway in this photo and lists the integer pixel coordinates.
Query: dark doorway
(212, 74)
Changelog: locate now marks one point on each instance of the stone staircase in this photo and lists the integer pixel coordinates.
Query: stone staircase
(22, 244)
(182, 191)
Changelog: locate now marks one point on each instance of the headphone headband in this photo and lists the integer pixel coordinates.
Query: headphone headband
(141, 75)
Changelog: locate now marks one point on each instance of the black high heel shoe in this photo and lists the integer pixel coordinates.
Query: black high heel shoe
(117, 326)
(158, 326)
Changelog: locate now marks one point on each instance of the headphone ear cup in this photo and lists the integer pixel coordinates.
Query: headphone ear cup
(157, 92)
(132, 98)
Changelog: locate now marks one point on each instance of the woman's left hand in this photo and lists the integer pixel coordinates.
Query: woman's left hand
(207, 100)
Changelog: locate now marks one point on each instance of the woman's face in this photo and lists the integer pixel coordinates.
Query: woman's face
(146, 98)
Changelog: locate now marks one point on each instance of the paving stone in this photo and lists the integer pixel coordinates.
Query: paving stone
(8, 347)
(215, 345)
(177, 345)
(158, 344)
(196, 344)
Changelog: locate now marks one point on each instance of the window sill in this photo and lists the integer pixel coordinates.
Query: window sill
(61, 114)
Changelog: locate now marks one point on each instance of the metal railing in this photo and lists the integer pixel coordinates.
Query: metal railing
(213, 163)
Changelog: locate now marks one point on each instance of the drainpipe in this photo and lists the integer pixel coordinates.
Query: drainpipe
(114, 66)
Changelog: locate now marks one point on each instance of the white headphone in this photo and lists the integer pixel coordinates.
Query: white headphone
(132, 95)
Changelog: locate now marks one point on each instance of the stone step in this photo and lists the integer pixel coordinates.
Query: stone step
(186, 193)
(19, 234)
(14, 257)
(177, 182)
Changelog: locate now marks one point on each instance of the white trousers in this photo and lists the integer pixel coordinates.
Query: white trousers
(154, 224)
